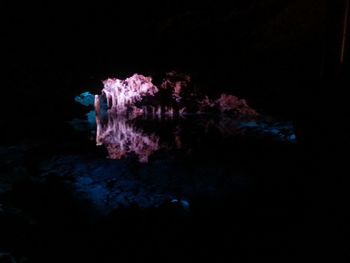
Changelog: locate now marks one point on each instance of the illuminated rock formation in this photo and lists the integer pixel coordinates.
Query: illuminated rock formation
(176, 82)
(240, 107)
(125, 97)
(121, 94)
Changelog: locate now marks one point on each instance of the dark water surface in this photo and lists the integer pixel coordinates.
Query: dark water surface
(218, 196)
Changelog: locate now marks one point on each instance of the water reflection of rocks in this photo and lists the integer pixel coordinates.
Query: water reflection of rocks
(123, 136)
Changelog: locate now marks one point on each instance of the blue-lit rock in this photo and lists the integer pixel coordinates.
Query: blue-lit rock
(111, 184)
(283, 131)
(85, 98)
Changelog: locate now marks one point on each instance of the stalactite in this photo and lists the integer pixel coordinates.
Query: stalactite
(123, 94)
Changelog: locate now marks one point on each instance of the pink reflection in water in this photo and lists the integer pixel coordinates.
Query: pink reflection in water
(121, 138)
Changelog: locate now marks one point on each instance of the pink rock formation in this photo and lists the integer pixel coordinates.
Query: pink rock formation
(121, 94)
(176, 82)
(232, 103)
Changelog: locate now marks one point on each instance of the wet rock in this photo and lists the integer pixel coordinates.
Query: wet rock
(110, 184)
(85, 98)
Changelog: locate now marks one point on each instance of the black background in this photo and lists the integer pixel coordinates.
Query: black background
(269, 52)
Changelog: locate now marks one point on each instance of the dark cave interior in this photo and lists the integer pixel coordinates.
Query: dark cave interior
(246, 198)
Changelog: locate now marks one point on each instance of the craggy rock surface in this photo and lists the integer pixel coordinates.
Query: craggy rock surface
(60, 199)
